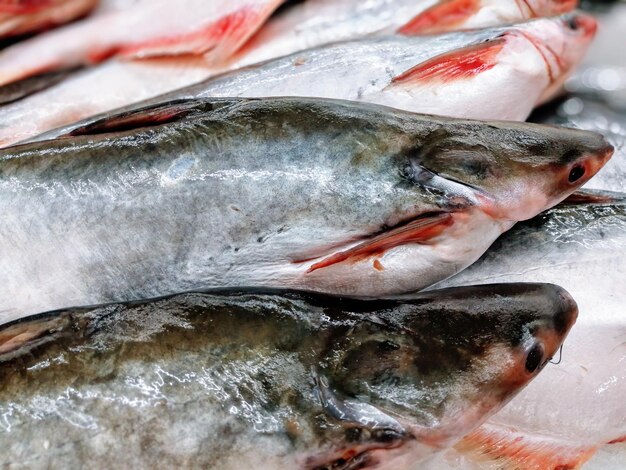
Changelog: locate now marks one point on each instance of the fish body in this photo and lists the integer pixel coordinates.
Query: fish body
(143, 29)
(252, 379)
(320, 195)
(317, 22)
(17, 18)
(506, 71)
(584, 246)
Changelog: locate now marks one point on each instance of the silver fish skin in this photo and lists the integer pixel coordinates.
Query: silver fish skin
(316, 22)
(519, 64)
(320, 195)
(583, 245)
(252, 379)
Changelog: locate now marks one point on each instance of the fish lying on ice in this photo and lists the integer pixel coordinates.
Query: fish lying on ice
(143, 29)
(316, 22)
(503, 73)
(21, 17)
(321, 195)
(261, 380)
(579, 406)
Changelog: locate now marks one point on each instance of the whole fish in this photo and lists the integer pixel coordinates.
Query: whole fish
(254, 380)
(215, 28)
(320, 195)
(313, 23)
(497, 73)
(579, 406)
(19, 17)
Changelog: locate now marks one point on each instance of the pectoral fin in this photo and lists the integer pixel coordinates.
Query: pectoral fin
(421, 231)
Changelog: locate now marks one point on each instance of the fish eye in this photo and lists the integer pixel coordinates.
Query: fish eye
(573, 23)
(534, 358)
(576, 173)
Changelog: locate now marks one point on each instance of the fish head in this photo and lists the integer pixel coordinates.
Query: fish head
(429, 370)
(516, 170)
(497, 73)
(448, 15)
(562, 43)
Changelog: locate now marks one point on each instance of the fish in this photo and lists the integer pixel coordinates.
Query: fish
(420, 74)
(242, 379)
(323, 195)
(314, 23)
(578, 407)
(28, 16)
(144, 29)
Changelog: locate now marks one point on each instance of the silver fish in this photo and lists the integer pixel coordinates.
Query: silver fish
(577, 407)
(254, 380)
(320, 195)
(507, 71)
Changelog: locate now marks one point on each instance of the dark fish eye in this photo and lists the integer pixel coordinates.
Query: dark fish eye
(576, 173)
(573, 24)
(534, 358)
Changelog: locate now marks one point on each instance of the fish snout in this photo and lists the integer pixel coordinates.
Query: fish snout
(581, 24)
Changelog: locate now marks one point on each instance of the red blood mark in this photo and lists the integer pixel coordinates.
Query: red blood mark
(231, 27)
(378, 266)
(444, 16)
(25, 7)
(619, 440)
(462, 63)
(421, 231)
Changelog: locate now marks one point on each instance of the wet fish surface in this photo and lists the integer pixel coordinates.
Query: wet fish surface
(242, 379)
(314, 23)
(504, 72)
(320, 195)
(582, 245)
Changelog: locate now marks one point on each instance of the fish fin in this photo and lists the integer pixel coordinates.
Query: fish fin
(384, 431)
(516, 450)
(22, 336)
(420, 231)
(25, 7)
(593, 197)
(461, 63)
(217, 40)
(446, 15)
(142, 117)
(15, 91)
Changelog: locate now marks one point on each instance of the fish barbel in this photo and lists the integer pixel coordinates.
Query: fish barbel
(261, 380)
(320, 195)
(213, 28)
(19, 17)
(583, 246)
(497, 73)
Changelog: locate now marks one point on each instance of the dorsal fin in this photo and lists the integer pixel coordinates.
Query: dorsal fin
(148, 116)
